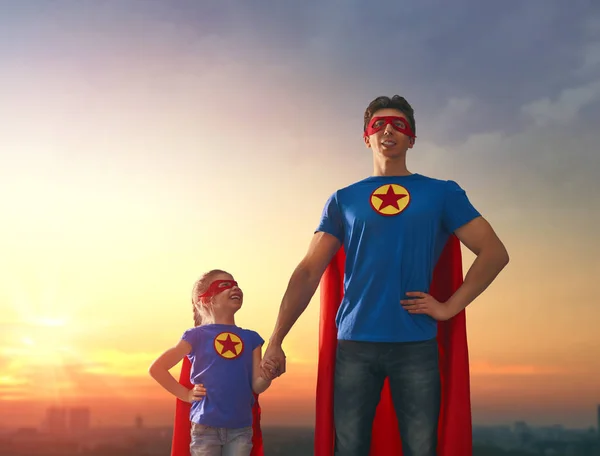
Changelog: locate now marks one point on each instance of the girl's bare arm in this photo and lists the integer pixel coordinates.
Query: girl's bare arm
(159, 371)
(259, 383)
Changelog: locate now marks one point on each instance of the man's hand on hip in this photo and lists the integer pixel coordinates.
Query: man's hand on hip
(424, 303)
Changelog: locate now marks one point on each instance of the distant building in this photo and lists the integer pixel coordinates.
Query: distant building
(56, 420)
(79, 420)
(555, 433)
(139, 422)
(62, 420)
(523, 433)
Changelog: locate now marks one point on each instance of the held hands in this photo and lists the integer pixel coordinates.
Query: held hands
(425, 304)
(273, 362)
(196, 393)
(269, 369)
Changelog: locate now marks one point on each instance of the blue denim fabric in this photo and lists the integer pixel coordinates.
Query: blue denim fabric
(413, 371)
(213, 441)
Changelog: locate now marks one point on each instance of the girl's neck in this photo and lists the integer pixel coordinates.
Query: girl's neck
(224, 320)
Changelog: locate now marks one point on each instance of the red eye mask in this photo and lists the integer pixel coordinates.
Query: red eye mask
(217, 287)
(398, 123)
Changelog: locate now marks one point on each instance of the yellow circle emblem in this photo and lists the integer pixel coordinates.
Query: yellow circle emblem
(390, 199)
(228, 345)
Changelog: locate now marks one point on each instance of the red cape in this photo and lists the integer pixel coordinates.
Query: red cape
(182, 427)
(455, 435)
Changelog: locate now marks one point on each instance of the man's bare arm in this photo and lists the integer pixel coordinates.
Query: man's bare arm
(479, 237)
(303, 283)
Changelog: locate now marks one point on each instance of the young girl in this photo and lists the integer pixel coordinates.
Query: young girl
(225, 370)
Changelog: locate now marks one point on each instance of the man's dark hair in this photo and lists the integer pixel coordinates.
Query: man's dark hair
(396, 102)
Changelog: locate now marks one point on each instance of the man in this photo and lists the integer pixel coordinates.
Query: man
(393, 226)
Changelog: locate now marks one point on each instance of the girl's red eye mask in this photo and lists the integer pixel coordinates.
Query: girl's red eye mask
(217, 287)
(398, 123)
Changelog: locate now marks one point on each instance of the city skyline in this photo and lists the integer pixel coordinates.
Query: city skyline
(144, 143)
(62, 434)
(64, 420)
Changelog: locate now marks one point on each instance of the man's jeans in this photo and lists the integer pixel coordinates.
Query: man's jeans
(212, 441)
(413, 371)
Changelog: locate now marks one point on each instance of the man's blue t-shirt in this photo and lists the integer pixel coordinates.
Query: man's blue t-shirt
(393, 230)
(221, 358)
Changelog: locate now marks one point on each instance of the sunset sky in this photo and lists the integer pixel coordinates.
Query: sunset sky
(145, 142)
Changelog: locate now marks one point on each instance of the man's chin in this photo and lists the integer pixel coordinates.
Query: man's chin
(393, 153)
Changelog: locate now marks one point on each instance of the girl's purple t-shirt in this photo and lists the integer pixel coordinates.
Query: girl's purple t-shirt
(221, 358)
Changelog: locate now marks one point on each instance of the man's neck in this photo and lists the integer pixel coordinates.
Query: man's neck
(391, 168)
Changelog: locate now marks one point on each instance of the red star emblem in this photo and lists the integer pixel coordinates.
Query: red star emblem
(390, 199)
(226, 345)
